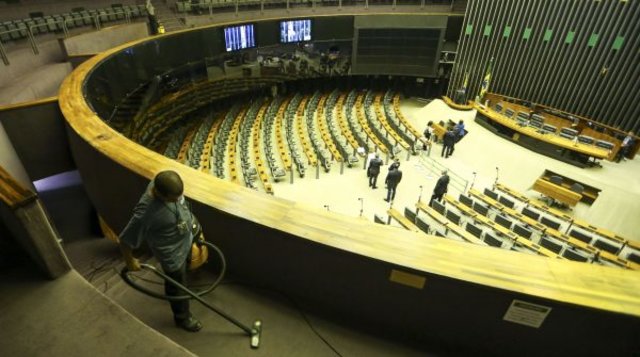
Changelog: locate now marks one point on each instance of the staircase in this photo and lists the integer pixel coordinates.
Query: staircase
(167, 17)
(128, 108)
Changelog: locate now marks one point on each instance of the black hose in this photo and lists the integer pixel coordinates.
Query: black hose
(124, 273)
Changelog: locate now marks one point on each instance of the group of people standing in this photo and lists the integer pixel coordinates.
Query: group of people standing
(393, 176)
(453, 134)
(451, 137)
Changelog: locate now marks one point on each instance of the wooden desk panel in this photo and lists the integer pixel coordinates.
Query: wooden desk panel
(559, 121)
(404, 222)
(552, 211)
(457, 106)
(588, 150)
(557, 192)
(12, 193)
(450, 225)
(519, 196)
(438, 131)
(590, 193)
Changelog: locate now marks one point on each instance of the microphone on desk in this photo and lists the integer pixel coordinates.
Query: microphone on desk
(497, 174)
(420, 196)
(361, 205)
(327, 207)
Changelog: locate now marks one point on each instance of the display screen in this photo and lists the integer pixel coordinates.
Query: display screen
(239, 37)
(295, 31)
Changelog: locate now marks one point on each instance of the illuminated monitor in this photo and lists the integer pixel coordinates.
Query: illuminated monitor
(239, 37)
(295, 31)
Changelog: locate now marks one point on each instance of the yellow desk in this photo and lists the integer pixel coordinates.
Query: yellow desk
(519, 196)
(457, 106)
(552, 211)
(557, 192)
(589, 150)
(450, 225)
(404, 222)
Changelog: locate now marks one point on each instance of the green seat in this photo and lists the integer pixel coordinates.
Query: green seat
(119, 11)
(111, 14)
(4, 34)
(41, 24)
(68, 20)
(13, 30)
(102, 16)
(86, 17)
(77, 19)
(31, 25)
(22, 28)
(51, 24)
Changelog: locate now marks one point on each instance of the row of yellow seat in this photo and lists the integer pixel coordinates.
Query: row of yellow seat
(205, 158)
(400, 116)
(365, 125)
(257, 154)
(232, 146)
(303, 134)
(280, 139)
(382, 118)
(342, 122)
(321, 121)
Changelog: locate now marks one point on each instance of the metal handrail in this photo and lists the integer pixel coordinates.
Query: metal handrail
(189, 6)
(455, 180)
(60, 24)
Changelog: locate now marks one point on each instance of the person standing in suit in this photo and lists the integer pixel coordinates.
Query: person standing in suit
(395, 164)
(393, 179)
(441, 188)
(374, 170)
(625, 147)
(459, 131)
(448, 141)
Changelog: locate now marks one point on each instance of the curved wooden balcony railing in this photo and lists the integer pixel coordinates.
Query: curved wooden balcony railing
(262, 232)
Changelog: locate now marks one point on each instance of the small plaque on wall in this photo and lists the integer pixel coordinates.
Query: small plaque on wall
(408, 279)
(526, 313)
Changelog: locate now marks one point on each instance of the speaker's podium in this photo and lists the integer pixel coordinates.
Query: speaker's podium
(459, 97)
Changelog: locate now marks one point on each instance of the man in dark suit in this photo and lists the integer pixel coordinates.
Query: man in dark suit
(459, 131)
(395, 164)
(448, 140)
(625, 147)
(441, 188)
(393, 179)
(374, 170)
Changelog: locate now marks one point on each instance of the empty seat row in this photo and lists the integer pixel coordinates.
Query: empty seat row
(20, 28)
(575, 230)
(489, 236)
(522, 230)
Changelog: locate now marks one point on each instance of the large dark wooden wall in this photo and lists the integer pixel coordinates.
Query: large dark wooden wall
(577, 56)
